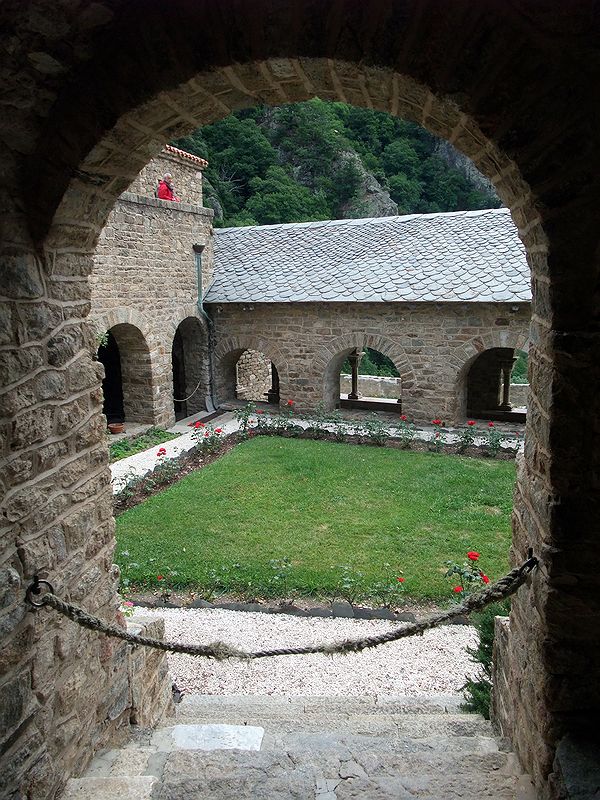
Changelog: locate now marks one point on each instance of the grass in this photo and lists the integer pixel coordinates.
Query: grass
(137, 444)
(380, 511)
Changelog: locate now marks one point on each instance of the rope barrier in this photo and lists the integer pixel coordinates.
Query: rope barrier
(175, 400)
(221, 651)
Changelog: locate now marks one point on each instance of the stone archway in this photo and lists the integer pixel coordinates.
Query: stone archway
(462, 361)
(190, 368)
(85, 122)
(329, 359)
(227, 356)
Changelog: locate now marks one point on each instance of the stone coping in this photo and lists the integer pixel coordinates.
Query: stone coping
(169, 205)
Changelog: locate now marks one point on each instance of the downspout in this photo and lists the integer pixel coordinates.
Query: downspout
(209, 399)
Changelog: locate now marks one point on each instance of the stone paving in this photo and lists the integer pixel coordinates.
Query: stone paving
(249, 748)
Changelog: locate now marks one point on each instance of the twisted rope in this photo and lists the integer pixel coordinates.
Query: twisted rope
(221, 651)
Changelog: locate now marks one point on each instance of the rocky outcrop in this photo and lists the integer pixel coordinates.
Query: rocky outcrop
(371, 199)
(455, 159)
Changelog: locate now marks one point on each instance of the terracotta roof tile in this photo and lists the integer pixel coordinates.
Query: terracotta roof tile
(175, 151)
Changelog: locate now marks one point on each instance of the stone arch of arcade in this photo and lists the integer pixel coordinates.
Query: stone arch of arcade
(190, 364)
(227, 355)
(129, 380)
(329, 359)
(77, 138)
(495, 348)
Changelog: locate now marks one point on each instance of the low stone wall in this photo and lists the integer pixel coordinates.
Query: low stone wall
(519, 394)
(150, 686)
(372, 386)
(502, 677)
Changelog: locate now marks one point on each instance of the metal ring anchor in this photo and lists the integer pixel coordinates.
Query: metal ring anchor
(35, 588)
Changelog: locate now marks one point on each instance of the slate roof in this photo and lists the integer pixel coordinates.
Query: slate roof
(463, 256)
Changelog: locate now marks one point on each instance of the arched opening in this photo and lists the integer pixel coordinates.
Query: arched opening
(488, 386)
(247, 375)
(112, 383)
(127, 385)
(189, 361)
(519, 382)
(370, 380)
(256, 378)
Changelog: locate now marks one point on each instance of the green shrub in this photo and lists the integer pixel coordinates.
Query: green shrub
(478, 693)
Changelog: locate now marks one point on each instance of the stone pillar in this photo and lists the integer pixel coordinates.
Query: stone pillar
(354, 359)
(273, 393)
(506, 368)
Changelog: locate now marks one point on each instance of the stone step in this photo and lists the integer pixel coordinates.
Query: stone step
(283, 748)
(374, 773)
(372, 725)
(195, 705)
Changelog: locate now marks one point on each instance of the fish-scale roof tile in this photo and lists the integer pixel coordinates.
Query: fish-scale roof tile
(473, 256)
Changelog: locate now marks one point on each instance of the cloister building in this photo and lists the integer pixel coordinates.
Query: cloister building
(445, 297)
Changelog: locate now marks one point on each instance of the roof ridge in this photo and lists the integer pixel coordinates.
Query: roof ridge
(366, 220)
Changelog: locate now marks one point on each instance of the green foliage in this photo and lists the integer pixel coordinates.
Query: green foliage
(373, 363)
(137, 444)
(519, 373)
(477, 693)
(278, 198)
(302, 162)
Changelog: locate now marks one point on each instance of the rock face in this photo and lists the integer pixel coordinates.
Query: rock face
(456, 159)
(248, 747)
(371, 200)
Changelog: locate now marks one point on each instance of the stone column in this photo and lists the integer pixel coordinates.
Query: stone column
(506, 368)
(273, 393)
(354, 359)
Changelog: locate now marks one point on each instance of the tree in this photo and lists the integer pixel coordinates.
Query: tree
(278, 199)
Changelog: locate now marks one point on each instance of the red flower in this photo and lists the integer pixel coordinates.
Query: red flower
(471, 422)
(472, 555)
(199, 424)
(458, 589)
(403, 417)
(218, 430)
(206, 433)
(159, 578)
(162, 452)
(484, 577)
(290, 403)
(490, 424)
(400, 580)
(436, 421)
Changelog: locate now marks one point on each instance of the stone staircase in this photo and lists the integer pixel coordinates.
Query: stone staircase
(305, 748)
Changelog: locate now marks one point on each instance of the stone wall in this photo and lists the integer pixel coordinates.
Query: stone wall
(519, 395)
(144, 284)
(373, 386)
(432, 346)
(253, 376)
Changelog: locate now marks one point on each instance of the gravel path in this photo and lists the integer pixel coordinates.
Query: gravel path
(435, 663)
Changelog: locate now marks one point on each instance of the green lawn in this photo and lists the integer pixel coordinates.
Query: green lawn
(378, 511)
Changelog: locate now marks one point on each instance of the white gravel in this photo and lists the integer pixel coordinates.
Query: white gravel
(435, 663)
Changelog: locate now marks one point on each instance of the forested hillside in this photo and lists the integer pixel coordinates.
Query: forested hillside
(318, 160)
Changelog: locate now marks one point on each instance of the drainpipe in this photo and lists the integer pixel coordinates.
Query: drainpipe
(209, 399)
